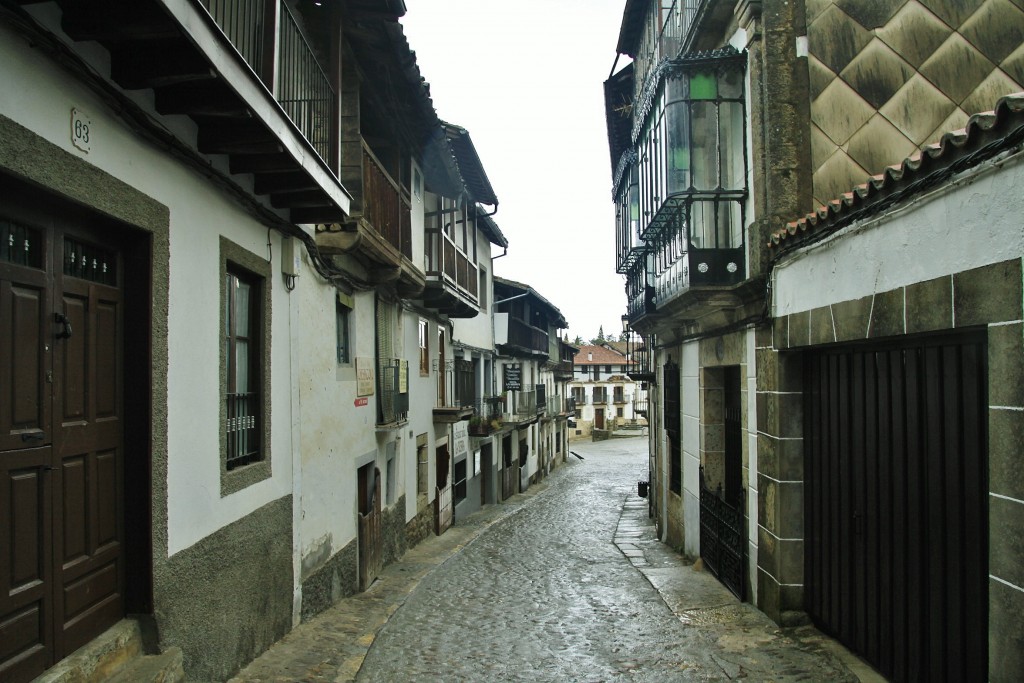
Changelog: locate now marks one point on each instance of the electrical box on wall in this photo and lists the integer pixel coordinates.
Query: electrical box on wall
(291, 256)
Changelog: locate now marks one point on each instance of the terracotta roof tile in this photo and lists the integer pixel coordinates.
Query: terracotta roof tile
(985, 135)
(601, 356)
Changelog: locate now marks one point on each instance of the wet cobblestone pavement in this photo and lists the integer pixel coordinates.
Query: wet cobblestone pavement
(566, 582)
(565, 590)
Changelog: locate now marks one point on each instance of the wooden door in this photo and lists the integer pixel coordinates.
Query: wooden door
(371, 557)
(61, 564)
(896, 511)
(443, 491)
(598, 418)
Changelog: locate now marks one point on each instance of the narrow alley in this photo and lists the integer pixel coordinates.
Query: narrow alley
(567, 583)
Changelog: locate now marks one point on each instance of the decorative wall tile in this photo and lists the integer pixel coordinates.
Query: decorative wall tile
(1013, 66)
(821, 148)
(876, 143)
(985, 95)
(877, 73)
(871, 14)
(955, 121)
(835, 38)
(820, 76)
(916, 110)
(953, 12)
(956, 68)
(837, 175)
(840, 111)
(996, 29)
(914, 33)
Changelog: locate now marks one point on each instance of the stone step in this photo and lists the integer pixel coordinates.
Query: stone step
(99, 659)
(115, 655)
(165, 667)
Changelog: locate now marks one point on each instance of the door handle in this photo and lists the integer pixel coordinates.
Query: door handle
(32, 436)
(63, 320)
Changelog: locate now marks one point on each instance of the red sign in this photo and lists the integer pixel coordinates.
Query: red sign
(361, 401)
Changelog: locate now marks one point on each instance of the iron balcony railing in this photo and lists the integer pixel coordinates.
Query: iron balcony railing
(580, 399)
(600, 398)
(386, 206)
(301, 87)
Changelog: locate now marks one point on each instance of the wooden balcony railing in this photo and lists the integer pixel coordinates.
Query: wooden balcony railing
(448, 263)
(527, 336)
(385, 206)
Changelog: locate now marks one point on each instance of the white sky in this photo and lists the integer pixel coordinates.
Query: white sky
(525, 78)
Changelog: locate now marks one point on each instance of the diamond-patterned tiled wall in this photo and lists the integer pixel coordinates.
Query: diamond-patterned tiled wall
(890, 76)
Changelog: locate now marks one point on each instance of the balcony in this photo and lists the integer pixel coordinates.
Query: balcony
(579, 399)
(619, 398)
(464, 403)
(246, 77)
(488, 417)
(525, 338)
(453, 279)
(563, 370)
(392, 401)
(380, 227)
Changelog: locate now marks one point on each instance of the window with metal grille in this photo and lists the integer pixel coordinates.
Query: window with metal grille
(242, 317)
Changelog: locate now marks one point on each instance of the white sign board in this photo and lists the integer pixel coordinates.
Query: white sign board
(460, 436)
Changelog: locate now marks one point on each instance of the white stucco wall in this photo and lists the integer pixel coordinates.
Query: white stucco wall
(951, 231)
(689, 385)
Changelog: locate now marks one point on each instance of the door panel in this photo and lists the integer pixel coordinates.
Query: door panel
(25, 393)
(25, 573)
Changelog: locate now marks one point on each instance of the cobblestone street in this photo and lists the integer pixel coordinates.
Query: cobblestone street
(567, 589)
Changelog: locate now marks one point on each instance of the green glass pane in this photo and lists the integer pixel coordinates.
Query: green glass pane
(703, 86)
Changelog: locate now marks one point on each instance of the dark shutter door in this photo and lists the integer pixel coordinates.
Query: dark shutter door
(895, 507)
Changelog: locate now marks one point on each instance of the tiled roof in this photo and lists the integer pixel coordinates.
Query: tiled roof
(985, 136)
(601, 356)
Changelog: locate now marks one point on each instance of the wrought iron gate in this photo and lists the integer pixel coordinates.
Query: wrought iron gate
(723, 545)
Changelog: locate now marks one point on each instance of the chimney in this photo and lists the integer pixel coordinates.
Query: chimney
(590, 356)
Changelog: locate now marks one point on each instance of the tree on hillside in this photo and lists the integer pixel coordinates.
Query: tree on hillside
(577, 341)
(599, 339)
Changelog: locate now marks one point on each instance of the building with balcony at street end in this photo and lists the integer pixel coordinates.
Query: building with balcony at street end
(532, 377)
(604, 395)
(793, 431)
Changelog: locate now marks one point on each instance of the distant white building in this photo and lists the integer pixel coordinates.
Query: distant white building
(605, 396)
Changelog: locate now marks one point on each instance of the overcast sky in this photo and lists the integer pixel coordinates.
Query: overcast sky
(525, 79)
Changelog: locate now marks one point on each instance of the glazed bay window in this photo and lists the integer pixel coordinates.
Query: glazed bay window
(691, 149)
(245, 376)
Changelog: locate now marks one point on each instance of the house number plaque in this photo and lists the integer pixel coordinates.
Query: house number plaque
(81, 130)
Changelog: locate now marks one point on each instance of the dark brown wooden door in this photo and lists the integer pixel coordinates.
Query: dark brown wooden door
(598, 418)
(61, 567)
(896, 559)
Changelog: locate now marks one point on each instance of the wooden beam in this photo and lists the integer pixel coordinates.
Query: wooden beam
(310, 199)
(321, 214)
(118, 21)
(287, 181)
(263, 163)
(201, 99)
(149, 64)
(222, 138)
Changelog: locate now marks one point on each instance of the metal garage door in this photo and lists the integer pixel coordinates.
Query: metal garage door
(895, 506)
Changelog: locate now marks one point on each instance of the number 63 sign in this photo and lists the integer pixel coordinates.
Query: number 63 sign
(81, 131)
